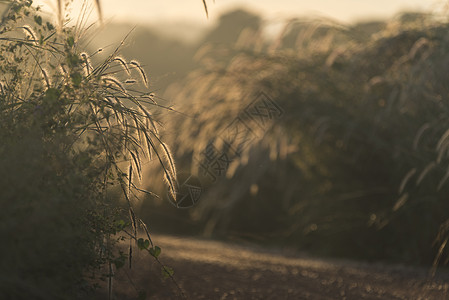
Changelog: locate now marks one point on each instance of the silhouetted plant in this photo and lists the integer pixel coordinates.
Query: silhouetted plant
(72, 132)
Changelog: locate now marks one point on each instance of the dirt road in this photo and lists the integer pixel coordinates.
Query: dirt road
(216, 270)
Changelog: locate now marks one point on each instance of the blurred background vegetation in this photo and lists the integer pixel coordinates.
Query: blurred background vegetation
(355, 166)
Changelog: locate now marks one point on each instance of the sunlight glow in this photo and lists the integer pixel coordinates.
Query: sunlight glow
(179, 11)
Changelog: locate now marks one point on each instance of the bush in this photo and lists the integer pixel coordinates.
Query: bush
(72, 136)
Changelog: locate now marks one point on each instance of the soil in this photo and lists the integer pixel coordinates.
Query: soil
(217, 270)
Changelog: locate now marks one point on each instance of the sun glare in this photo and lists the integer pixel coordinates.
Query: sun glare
(151, 12)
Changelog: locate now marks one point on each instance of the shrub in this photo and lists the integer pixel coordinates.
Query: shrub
(73, 133)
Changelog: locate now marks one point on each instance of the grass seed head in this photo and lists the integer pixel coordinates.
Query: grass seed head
(30, 34)
(123, 63)
(46, 78)
(115, 81)
(141, 71)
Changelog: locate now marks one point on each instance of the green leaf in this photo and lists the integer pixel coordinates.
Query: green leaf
(120, 225)
(167, 272)
(156, 251)
(51, 96)
(141, 244)
(38, 20)
(76, 79)
(50, 26)
(73, 60)
(70, 41)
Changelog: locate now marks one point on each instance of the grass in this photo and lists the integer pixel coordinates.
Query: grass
(75, 133)
(364, 105)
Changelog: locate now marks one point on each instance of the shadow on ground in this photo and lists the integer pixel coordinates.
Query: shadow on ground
(216, 270)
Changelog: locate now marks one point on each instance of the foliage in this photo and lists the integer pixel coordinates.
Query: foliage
(73, 132)
(364, 106)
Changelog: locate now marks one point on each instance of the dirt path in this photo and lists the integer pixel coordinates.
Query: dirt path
(216, 270)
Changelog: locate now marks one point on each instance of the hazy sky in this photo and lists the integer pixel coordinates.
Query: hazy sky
(150, 11)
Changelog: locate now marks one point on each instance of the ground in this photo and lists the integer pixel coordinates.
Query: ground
(217, 270)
